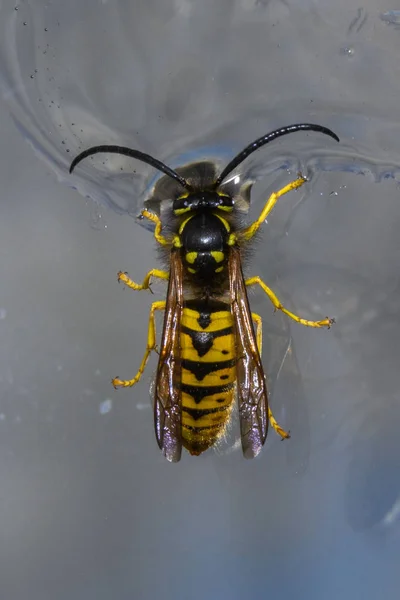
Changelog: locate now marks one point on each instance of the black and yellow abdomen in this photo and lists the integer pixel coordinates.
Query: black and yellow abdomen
(208, 372)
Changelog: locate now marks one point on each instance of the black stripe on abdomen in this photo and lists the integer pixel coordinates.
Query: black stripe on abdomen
(201, 369)
(200, 392)
(198, 413)
(202, 341)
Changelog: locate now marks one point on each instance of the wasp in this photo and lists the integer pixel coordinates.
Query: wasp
(211, 342)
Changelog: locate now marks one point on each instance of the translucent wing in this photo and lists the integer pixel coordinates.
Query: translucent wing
(251, 385)
(167, 394)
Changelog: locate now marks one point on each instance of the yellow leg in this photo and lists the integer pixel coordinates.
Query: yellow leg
(275, 425)
(146, 281)
(145, 214)
(258, 321)
(151, 345)
(275, 301)
(273, 422)
(247, 234)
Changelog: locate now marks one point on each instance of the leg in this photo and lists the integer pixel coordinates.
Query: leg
(275, 425)
(145, 214)
(273, 422)
(146, 281)
(258, 321)
(278, 306)
(247, 234)
(151, 345)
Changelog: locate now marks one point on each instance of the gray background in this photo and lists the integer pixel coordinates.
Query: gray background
(88, 507)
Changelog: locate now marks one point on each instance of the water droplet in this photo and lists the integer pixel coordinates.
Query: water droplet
(105, 406)
(347, 51)
(333, 194)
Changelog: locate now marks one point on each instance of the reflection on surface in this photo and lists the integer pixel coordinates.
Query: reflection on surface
(88, 507)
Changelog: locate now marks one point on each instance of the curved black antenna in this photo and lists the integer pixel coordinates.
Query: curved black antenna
(146, 158)
(268, 138)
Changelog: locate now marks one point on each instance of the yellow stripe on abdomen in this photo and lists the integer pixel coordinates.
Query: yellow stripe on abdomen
(208, 372)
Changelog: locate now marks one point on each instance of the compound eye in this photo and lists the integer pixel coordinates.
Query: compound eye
(226, 202)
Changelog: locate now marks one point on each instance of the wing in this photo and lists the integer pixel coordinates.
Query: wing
(251, 385)
(167, 395)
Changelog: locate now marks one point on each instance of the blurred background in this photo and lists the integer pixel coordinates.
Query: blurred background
(89, 509)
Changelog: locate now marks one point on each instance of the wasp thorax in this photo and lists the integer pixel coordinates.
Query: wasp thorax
(204, 240)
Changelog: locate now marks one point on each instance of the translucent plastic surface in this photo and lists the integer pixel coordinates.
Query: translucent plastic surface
(88, 507)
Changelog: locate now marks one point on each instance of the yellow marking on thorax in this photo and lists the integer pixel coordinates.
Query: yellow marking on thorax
(224, 221)
(218, 256)
(190, 257)
(183, 224)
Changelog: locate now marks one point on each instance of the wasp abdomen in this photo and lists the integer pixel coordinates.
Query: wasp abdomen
(208, 372)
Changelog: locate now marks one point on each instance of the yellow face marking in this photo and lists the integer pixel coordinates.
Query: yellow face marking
(190, 257)
(225, 208)
(191, 270)
(219, 270)
(217, 255)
